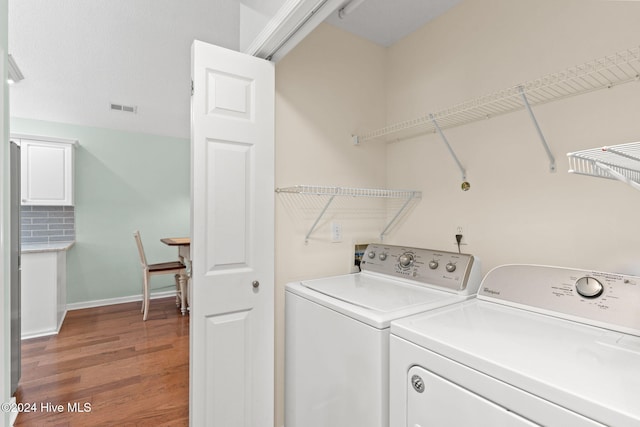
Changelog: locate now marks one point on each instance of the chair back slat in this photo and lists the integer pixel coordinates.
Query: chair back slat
(143, 258)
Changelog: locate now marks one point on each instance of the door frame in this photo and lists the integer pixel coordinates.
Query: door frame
(290, 25)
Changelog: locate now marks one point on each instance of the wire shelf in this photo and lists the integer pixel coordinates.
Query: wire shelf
(351, 192)
(620, 162)
(621, 67)
(406, 196)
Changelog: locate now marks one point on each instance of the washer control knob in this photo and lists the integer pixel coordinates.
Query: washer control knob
(371, 254)
(382, 256)
(433, 264)
(451, 267)
(406, 259)
(589, 287)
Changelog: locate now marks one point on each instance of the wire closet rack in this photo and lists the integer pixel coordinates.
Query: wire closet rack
(619, 68)
(620, 162)
(332, 192)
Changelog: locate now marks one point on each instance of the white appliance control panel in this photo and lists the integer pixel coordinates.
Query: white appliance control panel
(448, 270)
(607, 300)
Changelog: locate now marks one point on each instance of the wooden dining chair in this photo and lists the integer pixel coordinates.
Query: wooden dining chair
(148, 270)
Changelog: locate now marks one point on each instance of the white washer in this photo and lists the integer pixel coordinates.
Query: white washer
(539, 346)
(337, 331)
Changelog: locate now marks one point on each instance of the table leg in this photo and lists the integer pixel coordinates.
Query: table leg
(182, 281)
(184, 254)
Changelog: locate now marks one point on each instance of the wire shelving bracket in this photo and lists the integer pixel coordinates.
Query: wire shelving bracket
(333, 192)
(453, 154)
(619, 68)
(525, 101)
(620, 162)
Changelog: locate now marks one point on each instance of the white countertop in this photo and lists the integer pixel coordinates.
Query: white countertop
(46, 247)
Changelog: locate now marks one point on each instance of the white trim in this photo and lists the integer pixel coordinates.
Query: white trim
(44, 138)
(64, 315)
(119, 300)
(96, 303)
(270, 31)
(39, 334)
(292, 23)
(5, 311)
(45, 332)
(14, 75)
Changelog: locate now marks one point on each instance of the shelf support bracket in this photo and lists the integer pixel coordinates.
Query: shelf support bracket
(552, 160)
(397, 215)
(313, 227)
(620, 177)
(453, 154)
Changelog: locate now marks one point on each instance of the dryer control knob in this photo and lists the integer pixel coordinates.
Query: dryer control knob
(589, 287)
(433, 264)
(371, 254)
(451, 267)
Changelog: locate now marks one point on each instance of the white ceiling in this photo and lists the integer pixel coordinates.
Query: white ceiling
(385, 21)
(79, 56)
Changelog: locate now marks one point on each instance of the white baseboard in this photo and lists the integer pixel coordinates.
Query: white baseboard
(119, 300)
(91, 304)
(64, 315)
(38, 334)
(46, 332)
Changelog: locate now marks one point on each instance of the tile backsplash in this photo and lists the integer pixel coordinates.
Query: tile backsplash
(45, 224)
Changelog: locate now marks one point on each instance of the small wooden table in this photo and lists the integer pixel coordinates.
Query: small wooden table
(184, 254)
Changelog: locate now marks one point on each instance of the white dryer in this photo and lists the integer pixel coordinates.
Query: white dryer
(337, 331)
(539, 346)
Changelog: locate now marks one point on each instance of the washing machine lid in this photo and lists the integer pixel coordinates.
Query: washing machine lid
(589, 370)
(371, 298)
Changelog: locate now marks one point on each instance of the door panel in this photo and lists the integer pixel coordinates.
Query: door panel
(229, 95)
(232, 238)
(229, 198)
(228, 377)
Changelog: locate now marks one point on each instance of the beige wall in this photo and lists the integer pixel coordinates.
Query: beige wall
(329, 86)
(516, 211)
(334, 84)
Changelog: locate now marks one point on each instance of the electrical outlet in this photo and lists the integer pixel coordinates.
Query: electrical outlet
(336, 232)
(464, 232)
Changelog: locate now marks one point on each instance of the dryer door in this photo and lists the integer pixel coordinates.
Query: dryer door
(434, 401)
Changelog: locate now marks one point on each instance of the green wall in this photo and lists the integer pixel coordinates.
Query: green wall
(124, 181)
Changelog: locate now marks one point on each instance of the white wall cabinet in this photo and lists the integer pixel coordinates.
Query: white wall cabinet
(44, 292)
(47, 172)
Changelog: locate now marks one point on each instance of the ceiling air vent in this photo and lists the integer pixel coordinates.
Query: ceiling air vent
(125, 108)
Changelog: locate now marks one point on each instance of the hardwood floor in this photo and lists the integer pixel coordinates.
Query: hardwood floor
(110, 364)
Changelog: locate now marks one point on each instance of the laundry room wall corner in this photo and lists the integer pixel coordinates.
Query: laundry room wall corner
(330, 86)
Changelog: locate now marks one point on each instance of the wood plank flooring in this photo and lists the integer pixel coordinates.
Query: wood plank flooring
(110, 364)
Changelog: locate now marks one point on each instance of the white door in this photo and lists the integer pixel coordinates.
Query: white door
(232, 233)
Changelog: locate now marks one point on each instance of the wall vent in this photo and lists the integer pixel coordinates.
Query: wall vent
(125, 108)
